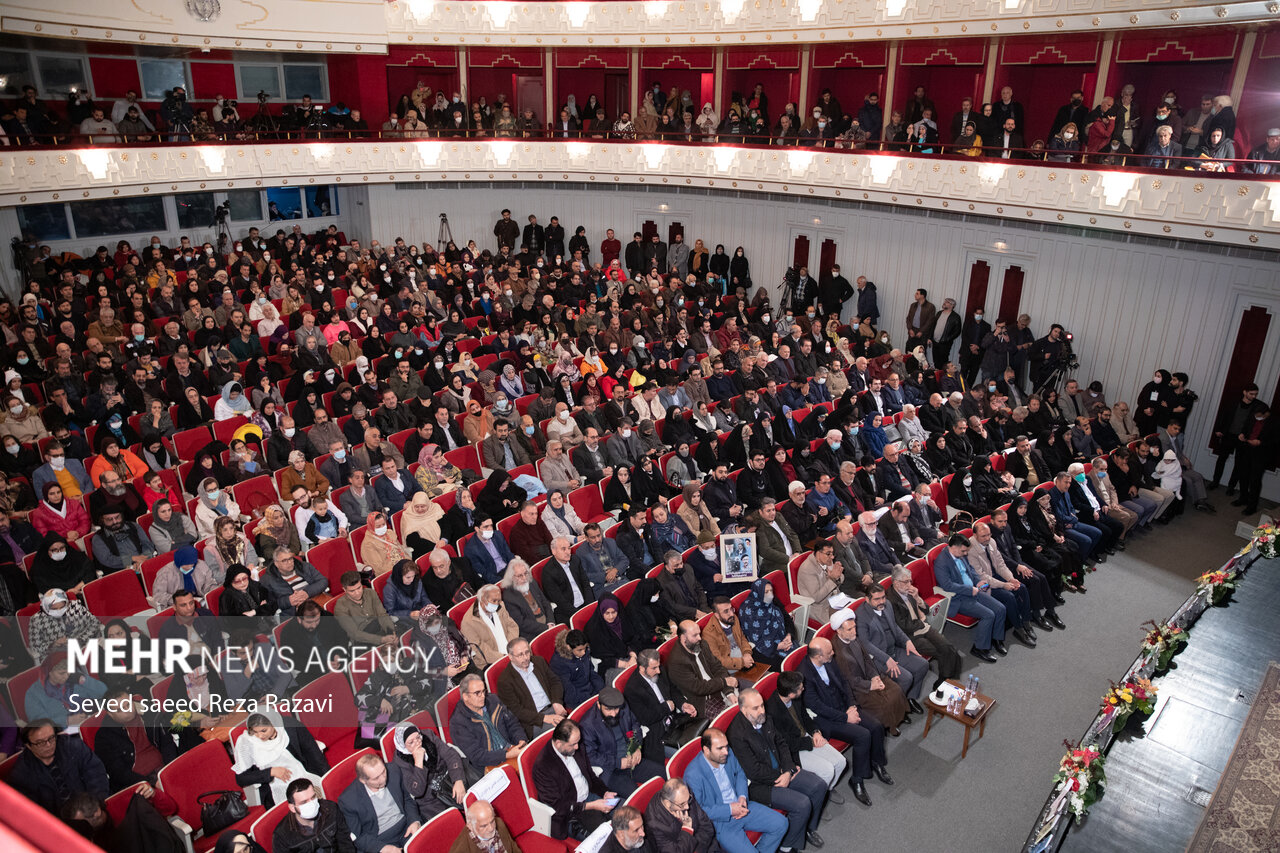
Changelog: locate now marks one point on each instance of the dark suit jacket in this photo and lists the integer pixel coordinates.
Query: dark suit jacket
(583, 462)
(889, 478)
(830, 701)
(935, 420)
(666, 833)
(684, 675)
(645, 705)
(878, 551)
(514, 693)
(556, 585)
(880, 636)
(925, 517)
(556, 789)
(361, 818)
(757, 752)
(1017, 466)
(798, 735)
(522, 614)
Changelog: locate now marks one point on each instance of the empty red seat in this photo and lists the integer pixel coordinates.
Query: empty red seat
(205, 768)
(335, 727)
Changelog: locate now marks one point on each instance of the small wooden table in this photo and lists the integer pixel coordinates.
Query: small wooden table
(980, 721)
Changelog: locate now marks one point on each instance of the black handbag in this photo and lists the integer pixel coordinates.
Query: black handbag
(226, 810)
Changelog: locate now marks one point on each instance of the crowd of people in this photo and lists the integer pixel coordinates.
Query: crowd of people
(1115, 132)
(375, 385)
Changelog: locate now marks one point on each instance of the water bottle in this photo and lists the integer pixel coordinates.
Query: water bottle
(977, 683)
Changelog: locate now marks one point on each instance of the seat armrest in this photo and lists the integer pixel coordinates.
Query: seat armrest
(542, 814)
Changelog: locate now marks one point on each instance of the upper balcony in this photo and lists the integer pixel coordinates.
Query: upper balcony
(369, 26)
(1177, 203)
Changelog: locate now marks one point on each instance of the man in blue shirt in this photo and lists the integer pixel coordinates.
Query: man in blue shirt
(718, 784)
(954, 574)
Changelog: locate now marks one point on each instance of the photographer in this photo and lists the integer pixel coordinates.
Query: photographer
(1046, 353)
(178, 114)
(226, 118)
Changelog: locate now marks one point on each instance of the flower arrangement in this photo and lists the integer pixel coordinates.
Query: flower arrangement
(1163, 642)
(1081, 779)
(633, 742)
(1134, 695)
(1217, 585)
(180, 721)
(1264, 539)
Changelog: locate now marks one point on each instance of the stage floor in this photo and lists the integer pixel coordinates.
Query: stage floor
(1159, 785)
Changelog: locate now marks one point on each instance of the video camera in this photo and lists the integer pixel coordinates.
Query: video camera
(1068, 359)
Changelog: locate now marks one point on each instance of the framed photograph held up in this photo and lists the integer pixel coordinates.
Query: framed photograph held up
(739, 560)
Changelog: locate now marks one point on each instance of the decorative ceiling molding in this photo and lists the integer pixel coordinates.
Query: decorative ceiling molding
(1178, 205)
(641, 23)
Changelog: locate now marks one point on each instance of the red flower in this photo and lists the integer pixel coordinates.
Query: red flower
(1075, 784)
(631, 734)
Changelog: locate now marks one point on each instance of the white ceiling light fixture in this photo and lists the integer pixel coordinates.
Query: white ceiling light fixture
(500, 13)
(731, 9)
(577, 13)
(96, 161)
(809, 9)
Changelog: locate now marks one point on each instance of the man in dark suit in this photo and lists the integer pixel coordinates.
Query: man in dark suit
(876, 546)
(773, 775)
(920, 317)
(607, 730)
(884, 641)
(831, 700)
(482, 727)
(786, 708)
(912, 616)
(777, 542)
(589, 458)
(1009, 141)
(945, 329)
(560, 772)
(901, 532)
(926, 515)
(659, 705)
(895, 478)
(378, 797)
(565, 581)
(668, 813)
(1027, 464)
(627, 825)
(1162, 149)
(530, 690)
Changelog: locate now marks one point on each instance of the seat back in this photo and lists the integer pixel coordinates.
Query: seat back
(332, 558)
(527, 757)
(544, 645)
(641, 796)
(496, 669)
(620, 680)
(444, 710)
(438, 834)
(583, 614)
(677, 763)
(115, 596)
(18, 686)
(767, 685)
(207, 767)
(264, 827)
(423, 721)
(511, 804)
(340, 777)
(336, 726)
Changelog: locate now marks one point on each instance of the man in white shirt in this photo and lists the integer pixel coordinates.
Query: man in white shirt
(379, 810)
(530, 690)
(565, 781)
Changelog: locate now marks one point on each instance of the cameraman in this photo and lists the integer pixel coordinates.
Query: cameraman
(1046, 353)
(178, 114)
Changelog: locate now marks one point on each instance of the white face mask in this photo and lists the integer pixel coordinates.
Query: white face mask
(564, 416)
(486, 535)
(709, 553)
(380, 530)
(309, 810)
(289, 432)
(968, 481)
(653, 600)
(626, 433)
(768, 598)
(58, 462)
(491, 608)
(57, 556)
(1068, 135)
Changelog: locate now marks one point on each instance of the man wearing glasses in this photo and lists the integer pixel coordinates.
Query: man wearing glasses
(52, 769)
(483, 728)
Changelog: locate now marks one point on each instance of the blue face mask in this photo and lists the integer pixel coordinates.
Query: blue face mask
(1079, 478)
(186, 570)
(835, 446)
(139, 338)
(528, 430)
(340, 455)
(1102, 475)
(853, 431)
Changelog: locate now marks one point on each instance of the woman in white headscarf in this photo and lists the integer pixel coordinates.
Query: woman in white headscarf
(432, 772)
(232, 402)
(270, 756)
(708, 120)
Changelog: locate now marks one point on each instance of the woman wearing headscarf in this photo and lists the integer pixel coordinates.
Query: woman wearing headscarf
(939, 457)
(431, 771)
(380, 549)
(266, 747)
(123, 462)
(57, 693)
(873, 435)
(1055, 449)
(207, 465)
(456, 396)
(611, 643)
(620, 494)
(213, 503)
(695, 514)
(156, 455)
(229, 547)
(670, 531)
(500, 496)
(1039, 523)
(59, 566)
(766, 624)
(708, 455)
(1155, 403)
(460, 519)
(683, 468)
(647, 617)
(232, 403)
(275, 529)
(441, 645)
(400, 685)
(478, 423)
(420, 525)
(510, 382)
(59, 619)
(116, 427)
(193, 410)
(245, 603)
(404, 596)
(186, 572)
(564, 366)
(56, 514)
(170, 529)
(303, 473)
(559, 517)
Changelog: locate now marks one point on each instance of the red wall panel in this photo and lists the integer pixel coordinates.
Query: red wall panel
(610, 88)
(1055, 50)
(1199, 46)
(866, 54)
(1042, 89)
(210, 79)
(571, 57)
(699, 59)
(505, 57)
(400, 54)
(849, 86)
(736, 58)
(113, 77)
(950, 52)
(945, 86)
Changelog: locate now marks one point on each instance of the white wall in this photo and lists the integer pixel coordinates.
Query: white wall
(1134, 307)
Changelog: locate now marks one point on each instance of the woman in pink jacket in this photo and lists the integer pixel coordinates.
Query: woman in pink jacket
(60, 515)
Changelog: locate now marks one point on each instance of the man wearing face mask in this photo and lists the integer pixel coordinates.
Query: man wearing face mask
(313, 824)
(1074, 112)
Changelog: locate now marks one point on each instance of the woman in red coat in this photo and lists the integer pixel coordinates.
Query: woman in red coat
(60, 515)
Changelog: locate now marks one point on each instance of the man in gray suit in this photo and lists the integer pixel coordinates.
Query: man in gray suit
(888, 646)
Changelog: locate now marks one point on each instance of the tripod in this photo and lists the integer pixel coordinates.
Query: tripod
(446, 233)
(1055, 377)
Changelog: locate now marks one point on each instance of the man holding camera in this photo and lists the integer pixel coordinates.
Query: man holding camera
(178, 114)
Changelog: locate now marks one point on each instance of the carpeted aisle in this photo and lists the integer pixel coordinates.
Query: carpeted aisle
(988, 801)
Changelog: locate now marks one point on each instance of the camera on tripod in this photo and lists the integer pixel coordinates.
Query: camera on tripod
(1067, 359)
(221, 214)
(262, 97)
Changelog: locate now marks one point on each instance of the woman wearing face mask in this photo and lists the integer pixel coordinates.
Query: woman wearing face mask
(213, 502)
(59, 566)
(739, 270)
(766, 624)
(1064, 147)
(229, 547)
(381, 550)
(58, 620)
(17, 460)
(431, 771)
(245, 603)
